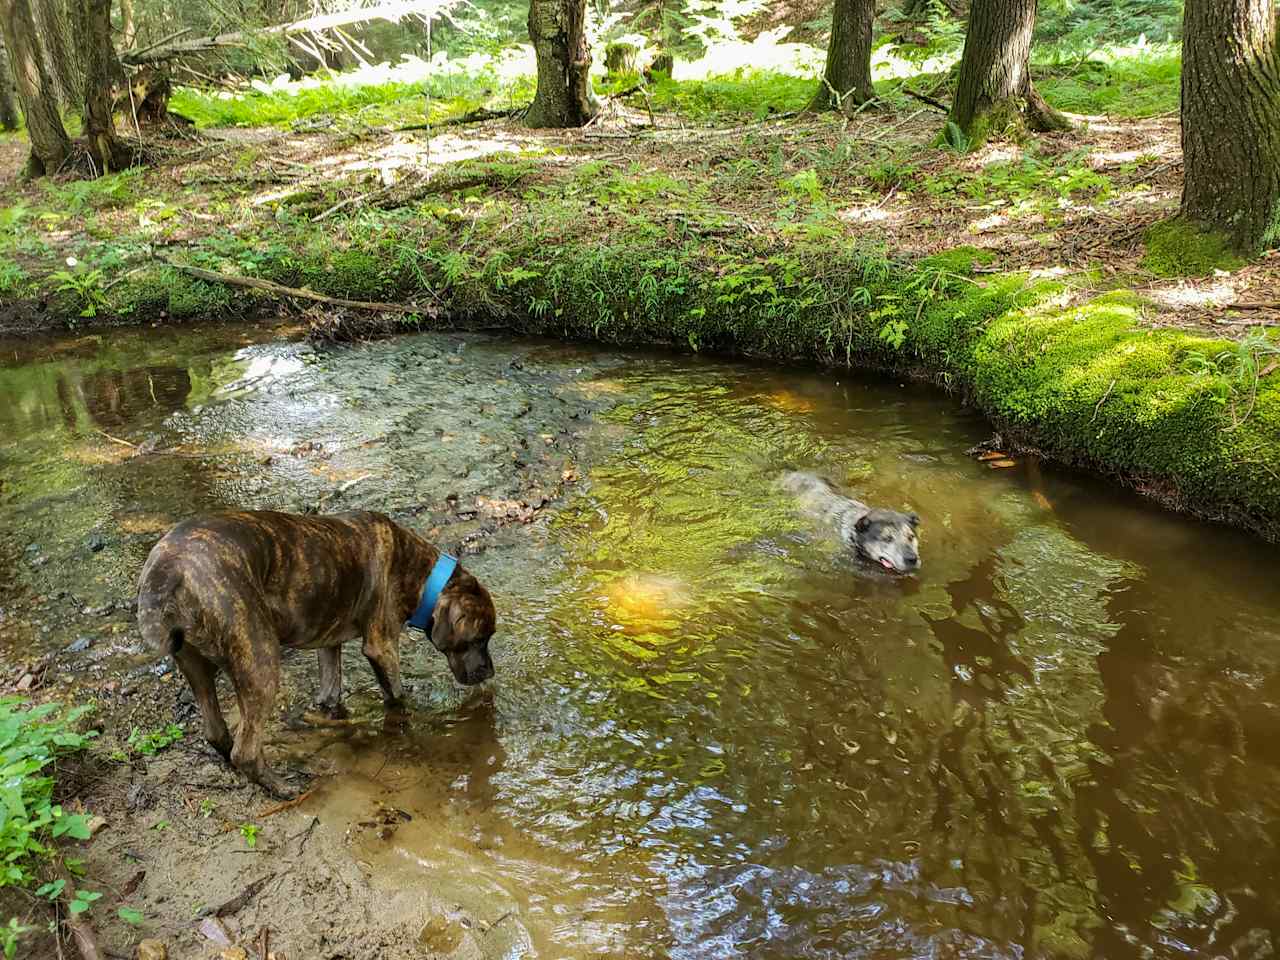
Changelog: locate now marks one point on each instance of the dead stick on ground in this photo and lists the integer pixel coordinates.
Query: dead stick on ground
(123, 443)
(286, 805)
(81, 929)
(938, 104)
(1255, 305)
(280, 290)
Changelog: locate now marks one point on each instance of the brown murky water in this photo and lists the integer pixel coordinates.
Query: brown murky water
(712, 734)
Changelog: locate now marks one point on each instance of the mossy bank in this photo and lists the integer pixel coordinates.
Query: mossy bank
(1191, 421)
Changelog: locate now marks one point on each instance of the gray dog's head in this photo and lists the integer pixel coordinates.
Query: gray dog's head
(888, 538)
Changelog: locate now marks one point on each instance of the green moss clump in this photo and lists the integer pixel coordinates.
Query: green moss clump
(1176, 248)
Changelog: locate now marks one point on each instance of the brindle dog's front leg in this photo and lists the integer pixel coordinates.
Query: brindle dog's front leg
(329, 699)
(382, 649)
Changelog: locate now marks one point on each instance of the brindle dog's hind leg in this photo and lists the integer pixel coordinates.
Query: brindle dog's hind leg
(201, 674)
(254, 655)
(329, 699)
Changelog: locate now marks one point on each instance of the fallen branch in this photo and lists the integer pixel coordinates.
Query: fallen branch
(81, 929)
(1255, 305)
(284, 805)
(239, 901)
(473, 116)
(391, 12)
(925, 98)
(280, 290)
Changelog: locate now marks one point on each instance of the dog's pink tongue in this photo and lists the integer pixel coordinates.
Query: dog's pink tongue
(886, 564)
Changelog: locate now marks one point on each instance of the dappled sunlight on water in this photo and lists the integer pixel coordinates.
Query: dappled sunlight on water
(713, 733)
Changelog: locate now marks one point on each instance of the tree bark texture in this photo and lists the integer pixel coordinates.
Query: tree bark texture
(1231, 120)
(128, 25)
(557, 29)
(37, 91)
(101, 72)
(994, 89)
(8, 105)
(846, 82)
(60, 38)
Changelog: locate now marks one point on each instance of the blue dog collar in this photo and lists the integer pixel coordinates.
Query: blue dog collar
(440, 575)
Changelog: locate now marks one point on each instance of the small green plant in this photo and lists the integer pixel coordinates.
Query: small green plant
(149, 744)
(1231, 375)
(250, 833)
(84, 899)
(130, 916)
(10, 935)
(954, 138)
(893, 331)
(30, 741)
(85, 286)
(207, 807)
(160, 826)
(12, 277)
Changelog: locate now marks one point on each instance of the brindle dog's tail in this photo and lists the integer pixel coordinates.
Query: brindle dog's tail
(162, 631)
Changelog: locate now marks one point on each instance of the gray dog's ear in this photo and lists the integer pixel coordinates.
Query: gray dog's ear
(863, 524)
(913, 519)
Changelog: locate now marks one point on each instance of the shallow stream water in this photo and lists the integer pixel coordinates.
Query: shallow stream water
(712, 733)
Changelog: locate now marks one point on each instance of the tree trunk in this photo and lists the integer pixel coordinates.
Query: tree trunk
(1231, 120)
(60, 39)
(557, 29)
(128, 26)
(37, 92)
(101, 71)
(846, 82)
(994, 93)
(8, 108)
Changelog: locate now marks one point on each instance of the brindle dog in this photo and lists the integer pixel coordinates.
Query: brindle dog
(227, 592)
(886, 537)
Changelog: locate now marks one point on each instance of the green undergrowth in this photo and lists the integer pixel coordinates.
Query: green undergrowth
(1189, 418)
(1179, 249)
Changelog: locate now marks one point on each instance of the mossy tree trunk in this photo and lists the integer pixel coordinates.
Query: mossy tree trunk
(557, 29)
(1231, 120)
(101, 71)
(994, 93)
(36, 87)
(846, 82)
(8, 106)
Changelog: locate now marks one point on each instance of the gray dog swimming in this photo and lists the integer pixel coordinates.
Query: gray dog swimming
(886, 537)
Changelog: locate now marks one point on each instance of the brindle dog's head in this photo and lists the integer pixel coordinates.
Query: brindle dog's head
(888, 538)
(464, 622)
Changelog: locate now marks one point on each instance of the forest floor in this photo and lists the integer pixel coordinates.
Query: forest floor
(1073, 206)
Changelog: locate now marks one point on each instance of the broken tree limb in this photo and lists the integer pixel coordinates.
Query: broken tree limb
(81, 928)
(280, 290)
(473, 116)
(391, 12)
(924, 98)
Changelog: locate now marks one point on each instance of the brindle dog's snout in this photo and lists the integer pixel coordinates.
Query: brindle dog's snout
(472, 666)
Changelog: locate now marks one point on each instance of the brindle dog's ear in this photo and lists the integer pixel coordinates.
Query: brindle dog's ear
(443, 624)
(863, 524)
(913, 519)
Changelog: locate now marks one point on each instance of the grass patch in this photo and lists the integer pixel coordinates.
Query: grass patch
(1140, 81)
(743, 93)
